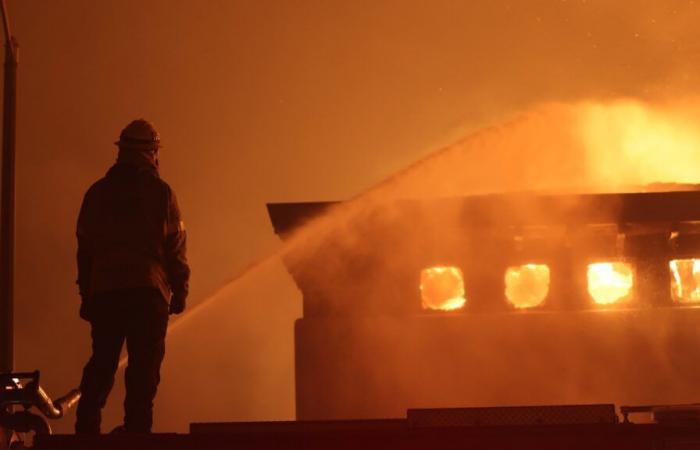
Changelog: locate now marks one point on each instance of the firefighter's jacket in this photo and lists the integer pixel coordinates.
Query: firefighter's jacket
(131, 234)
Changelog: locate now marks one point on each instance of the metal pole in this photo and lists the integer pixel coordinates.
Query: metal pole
(6, 22)
(7, 202)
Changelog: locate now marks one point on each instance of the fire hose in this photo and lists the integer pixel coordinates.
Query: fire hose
(23, 390)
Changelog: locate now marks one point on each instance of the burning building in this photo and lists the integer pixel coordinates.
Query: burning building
(496, 300)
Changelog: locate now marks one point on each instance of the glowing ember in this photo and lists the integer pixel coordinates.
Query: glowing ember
(527, 286)
(442, 288)
(685, 280)
(609, 282)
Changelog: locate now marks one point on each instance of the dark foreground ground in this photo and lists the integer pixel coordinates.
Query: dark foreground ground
(394, 435)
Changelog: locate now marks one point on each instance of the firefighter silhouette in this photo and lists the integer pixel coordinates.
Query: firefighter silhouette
(132, 272)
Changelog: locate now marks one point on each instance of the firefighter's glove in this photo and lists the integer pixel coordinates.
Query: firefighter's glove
(85, 308)
(177, 303)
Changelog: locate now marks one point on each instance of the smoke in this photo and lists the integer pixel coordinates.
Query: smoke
(232, 356)
(355, 261)
(586, 146)
(555, 148)
(296, 101)
(363, 259)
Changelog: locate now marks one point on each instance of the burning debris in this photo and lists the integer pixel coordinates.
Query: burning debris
(610, 282)
(527, 286)
(442, 288)
(685, 280)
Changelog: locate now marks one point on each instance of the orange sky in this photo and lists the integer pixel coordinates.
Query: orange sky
(260, 101)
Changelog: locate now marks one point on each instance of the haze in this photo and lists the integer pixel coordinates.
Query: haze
(265, 101)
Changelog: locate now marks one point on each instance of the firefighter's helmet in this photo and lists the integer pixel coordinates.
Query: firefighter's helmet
(140, 134)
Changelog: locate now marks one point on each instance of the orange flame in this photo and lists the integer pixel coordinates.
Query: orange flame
(631, 143)
(685, 281)
(609, 282)
(527, 286)
(442, 288)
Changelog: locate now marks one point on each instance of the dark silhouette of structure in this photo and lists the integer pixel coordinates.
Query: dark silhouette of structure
(131, 262)
(363, 329)
(415, 433)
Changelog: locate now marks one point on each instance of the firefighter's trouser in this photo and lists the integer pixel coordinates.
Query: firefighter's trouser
(139, 317)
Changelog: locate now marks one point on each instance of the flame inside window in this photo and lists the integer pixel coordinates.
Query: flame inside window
(442, 288)
(527, 286)
(685, 280)
(610, 282)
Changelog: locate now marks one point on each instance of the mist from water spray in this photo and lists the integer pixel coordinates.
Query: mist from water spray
(559, 148)
(584, 147)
